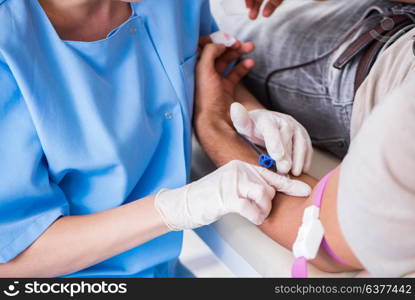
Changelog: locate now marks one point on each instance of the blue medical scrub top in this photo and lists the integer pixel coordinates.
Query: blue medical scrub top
(89, 126)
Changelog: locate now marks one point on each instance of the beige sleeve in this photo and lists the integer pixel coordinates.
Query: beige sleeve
(390, 71)
(376, 203)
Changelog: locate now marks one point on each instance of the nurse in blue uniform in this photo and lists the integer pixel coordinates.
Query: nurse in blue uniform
(95, 139)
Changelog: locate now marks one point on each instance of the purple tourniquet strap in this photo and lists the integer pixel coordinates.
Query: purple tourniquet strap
(299, 268)
(331, 253)
(318, 199)
(321, 187)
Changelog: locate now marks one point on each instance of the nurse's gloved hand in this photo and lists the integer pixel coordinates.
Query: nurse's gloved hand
(286, 140)
(237, 187)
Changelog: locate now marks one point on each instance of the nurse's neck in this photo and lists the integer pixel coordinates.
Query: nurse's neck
(85, 20)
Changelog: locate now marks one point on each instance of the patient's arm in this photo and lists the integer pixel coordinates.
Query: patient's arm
(222, 144)
(285, 219)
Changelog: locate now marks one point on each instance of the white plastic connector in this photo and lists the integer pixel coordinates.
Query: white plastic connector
(310, 234)
(223, 38)
(311, 213)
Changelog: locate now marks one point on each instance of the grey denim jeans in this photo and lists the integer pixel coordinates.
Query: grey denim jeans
(319, 96)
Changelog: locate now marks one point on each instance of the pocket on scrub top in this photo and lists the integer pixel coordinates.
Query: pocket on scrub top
(188, 68)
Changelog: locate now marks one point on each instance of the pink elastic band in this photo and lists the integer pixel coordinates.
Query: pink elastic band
(299, 268)
(331, 253)
(321, 187)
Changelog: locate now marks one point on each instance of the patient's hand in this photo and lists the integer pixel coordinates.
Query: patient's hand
(255, 5)
(215, 92)
(270, 6)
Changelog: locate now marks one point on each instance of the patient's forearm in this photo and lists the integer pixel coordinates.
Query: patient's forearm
(222, 144)
(215, 134)
(245, 97)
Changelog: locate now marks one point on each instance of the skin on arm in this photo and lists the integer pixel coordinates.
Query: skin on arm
(222, 144)
(270, 7)
(285, 219)
(246, 98)
(76, 242)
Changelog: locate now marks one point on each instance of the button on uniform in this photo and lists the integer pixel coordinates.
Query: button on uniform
(132, 29)
(168, 115)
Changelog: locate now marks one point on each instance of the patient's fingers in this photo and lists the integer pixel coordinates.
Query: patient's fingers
(254, 8)
(204, 40)
(270, 7)
(240, 71)
(248, 3)
(232, 54)
(208, 57)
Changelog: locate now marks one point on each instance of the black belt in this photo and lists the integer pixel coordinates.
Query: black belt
(370, 44)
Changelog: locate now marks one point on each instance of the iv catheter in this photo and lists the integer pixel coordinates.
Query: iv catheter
(263, 159)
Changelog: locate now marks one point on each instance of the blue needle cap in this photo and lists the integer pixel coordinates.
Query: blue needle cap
(266, 161)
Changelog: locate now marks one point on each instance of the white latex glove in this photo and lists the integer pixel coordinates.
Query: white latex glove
(223, 38)
(286, 140)
(237, 187)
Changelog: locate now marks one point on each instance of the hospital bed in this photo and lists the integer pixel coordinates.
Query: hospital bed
(241, 246)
